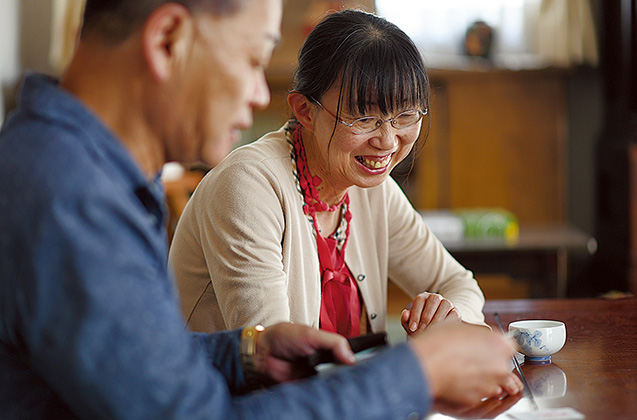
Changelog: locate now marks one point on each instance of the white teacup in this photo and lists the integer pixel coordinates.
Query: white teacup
(538, 339)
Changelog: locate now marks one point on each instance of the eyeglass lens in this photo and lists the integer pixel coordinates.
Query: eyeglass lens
(368, 124)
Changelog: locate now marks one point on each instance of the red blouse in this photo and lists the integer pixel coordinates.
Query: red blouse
(340, 301)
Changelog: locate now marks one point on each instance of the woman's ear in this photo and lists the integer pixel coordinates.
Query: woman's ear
(165, 39)
(302, 109)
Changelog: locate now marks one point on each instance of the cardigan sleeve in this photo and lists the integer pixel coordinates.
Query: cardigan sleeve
(419, 262)
(240, 222)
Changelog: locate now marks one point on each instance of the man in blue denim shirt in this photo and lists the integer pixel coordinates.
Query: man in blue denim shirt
(89, 322)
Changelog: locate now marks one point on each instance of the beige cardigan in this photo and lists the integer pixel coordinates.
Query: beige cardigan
(245, 229)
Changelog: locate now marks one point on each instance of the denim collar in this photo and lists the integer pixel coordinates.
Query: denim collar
(43, 97)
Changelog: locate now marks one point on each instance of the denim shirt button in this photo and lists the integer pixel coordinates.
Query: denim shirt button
(361, 277)
(373, 316)
(413, 416)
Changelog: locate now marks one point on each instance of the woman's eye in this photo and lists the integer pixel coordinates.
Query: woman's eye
(367, 120)
(406, 116)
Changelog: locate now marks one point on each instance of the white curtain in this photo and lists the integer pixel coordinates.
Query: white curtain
(567, 33)
(527, 33)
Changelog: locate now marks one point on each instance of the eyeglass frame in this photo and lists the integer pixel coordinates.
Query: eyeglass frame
(383, 121)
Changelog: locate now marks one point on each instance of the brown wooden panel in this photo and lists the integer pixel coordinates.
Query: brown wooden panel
(433, 164)
(504, 135)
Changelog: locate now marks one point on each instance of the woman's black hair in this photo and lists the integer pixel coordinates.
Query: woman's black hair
(375, 63)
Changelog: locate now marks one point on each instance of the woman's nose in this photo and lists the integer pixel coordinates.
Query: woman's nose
(385, 138)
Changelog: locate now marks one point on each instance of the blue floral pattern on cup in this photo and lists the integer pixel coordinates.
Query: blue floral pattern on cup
(528, 342)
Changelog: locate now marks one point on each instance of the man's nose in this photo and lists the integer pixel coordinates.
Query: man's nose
(261, 96)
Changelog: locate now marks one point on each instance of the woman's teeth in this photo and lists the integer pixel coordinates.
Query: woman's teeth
(375, 163)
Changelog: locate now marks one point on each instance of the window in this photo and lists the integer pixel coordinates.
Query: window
(527, 33)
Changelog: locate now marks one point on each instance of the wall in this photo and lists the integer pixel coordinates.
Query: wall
(9, 57)
(25, 32)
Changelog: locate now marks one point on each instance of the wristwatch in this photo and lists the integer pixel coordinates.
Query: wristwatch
(249, 337)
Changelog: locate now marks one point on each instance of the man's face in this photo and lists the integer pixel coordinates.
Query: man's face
(223, 81)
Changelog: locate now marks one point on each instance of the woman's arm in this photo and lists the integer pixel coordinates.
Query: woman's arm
(420, 265)
(240, 223)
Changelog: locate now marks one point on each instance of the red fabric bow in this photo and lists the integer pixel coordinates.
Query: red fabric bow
(340, 303)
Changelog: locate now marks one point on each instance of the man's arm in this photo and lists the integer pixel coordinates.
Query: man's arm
(101, 325)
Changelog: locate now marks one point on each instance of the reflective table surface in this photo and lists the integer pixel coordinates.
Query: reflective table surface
(594, 373)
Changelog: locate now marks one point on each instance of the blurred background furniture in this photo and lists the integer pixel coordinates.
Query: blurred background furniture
(632, 155)
(179, 184)
(539, 256)
(613, 266)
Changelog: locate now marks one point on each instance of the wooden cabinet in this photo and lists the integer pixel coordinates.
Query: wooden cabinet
(498, 139)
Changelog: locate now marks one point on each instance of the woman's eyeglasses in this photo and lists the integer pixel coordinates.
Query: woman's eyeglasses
(366, 125)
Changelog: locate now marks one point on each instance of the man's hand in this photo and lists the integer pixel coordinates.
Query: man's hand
(282, 347)
(487, 409)
(465, 364)
(427, 309)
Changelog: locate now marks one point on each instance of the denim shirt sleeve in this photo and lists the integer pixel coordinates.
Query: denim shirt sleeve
(97, 316)
(103, 329)
(221, 351)
(387, 386)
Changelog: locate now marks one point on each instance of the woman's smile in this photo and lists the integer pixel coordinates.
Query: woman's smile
(375, 163)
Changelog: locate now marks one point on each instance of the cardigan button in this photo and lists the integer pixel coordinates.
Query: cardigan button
(373, 316)
(361, 277)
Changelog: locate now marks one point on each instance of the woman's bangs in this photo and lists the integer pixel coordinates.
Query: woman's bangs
(386, 80)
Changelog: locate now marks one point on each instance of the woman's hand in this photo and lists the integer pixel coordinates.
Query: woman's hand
(426, 309)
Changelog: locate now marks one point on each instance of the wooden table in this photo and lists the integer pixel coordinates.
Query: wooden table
(596, 371)
(540, 255)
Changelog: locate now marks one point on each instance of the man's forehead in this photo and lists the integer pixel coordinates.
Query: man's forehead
(265, 17)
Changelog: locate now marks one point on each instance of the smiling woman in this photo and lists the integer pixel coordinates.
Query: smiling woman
(305, 224)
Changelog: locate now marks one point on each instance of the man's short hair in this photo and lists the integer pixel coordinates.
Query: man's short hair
(114, 20)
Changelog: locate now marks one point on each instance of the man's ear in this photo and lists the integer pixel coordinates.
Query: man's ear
(302, 109)
(166, 36)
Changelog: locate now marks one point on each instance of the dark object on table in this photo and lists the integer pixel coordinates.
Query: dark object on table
(358, 344)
